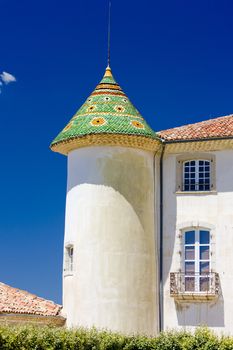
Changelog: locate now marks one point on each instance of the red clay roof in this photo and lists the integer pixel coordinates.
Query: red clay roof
(217, 127)
(13, 300)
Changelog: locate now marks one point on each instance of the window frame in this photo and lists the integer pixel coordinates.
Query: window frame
(182, 159)
(197, 260)
(197, 178)
(69, 259)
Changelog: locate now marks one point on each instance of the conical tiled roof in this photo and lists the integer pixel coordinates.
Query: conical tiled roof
(106, 118)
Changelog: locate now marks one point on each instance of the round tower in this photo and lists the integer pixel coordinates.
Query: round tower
(110, 245)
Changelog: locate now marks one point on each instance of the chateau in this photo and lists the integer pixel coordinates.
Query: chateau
(149, 219)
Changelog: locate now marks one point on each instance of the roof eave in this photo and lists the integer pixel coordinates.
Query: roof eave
(197, 139)
(57, 320)
(106, 139)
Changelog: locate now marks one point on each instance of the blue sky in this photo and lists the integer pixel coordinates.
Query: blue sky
(172, 58)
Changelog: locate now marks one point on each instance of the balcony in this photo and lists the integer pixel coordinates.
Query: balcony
(195, 286)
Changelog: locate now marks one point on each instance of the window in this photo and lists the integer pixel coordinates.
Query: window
(195, 172)
(196, 175)
(197, 261)
(69, 258)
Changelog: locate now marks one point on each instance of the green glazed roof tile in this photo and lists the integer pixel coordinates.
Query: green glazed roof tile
(106, 111)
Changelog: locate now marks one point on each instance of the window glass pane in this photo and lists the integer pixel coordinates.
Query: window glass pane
(71, 258)
(204, 175)
(189, 284)
(204, 284)
(204, 252)
(189, 252)
(192, 162)
(204, 267)
(189, 237)
(204, 237)
(70, 250)
(189, 268)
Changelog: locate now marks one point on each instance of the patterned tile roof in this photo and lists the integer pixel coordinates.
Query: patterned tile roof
(106, 111)
(221, 127)
(13, 300)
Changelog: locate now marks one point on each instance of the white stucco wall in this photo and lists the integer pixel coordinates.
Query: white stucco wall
(214, 211)
(110, 222)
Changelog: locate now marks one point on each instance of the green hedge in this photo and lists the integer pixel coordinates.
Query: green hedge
(24, 338)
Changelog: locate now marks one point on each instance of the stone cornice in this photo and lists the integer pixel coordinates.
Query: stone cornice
(204, 145)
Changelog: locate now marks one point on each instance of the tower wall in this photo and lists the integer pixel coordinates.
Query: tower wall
(110, 223)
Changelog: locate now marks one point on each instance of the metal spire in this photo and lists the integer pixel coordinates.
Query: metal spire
(109, 30)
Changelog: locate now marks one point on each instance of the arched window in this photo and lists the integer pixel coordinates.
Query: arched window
(196, 261)
(196, 175)
(69, 258)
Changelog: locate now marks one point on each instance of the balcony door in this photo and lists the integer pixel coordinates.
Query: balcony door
(197, 261)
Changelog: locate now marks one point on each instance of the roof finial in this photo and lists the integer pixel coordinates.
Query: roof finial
(109, 30)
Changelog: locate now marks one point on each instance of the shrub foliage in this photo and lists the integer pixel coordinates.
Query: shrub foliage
(46, 338)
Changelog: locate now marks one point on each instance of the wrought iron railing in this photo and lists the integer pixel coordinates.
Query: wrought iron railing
(194, 283)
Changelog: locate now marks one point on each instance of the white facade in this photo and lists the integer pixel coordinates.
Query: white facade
(207, 210)
(111, 281)
(113, 228)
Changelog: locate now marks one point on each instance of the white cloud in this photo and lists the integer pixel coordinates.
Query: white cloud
(7, 78)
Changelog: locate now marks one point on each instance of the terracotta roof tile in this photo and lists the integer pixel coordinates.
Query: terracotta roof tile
(13, 300)
(212, 128)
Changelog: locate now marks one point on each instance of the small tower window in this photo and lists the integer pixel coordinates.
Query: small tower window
(69, 258)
